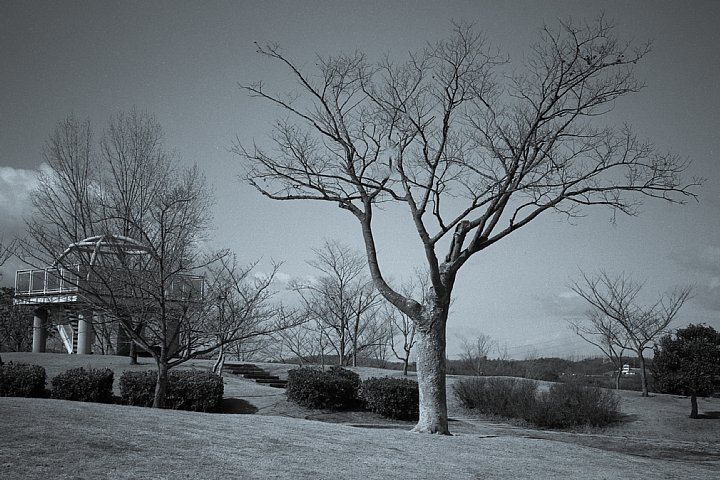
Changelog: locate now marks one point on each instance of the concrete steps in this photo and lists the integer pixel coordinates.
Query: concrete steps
(253, 372)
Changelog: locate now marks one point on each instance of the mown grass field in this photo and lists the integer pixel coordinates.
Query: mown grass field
(43, 438)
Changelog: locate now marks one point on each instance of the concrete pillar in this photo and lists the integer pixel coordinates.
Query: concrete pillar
(85, 333)
(39, 330)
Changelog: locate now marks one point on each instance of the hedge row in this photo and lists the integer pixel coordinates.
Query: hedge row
(187, 389)
(563, 405)
(22, 380)
(341, 389)
(92, 385)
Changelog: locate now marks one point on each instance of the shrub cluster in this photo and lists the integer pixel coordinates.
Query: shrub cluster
(22, 380)
(335, 389)
(193, 390)
(506, 397)
(571, 404)
(91, 385)
(563, 405)
(395, 398)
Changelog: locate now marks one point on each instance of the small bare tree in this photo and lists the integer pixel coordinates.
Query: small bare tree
(607, 335)
(470, 152)
(15, 324)
(622, 320)
(402, 335)
(343, 300)
(475, 352)
(238, 309)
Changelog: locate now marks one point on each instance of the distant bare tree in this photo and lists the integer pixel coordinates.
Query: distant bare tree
(238, 309)
(475, 352)
(473, 150)
(616, 306)
(343, 300)
(15, 324)
(607, 335)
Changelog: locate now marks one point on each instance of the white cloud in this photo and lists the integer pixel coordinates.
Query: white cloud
(15, 187)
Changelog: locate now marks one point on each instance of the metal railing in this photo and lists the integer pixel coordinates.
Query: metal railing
(47, 281)
(71, 280)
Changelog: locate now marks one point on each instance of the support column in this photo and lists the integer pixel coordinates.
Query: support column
(39, 330)
(85, 333)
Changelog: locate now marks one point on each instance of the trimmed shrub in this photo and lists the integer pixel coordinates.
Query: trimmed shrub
(336, 389)
(22, 380)
(507, 397)
(193, 390)
(572, 404)
(92, 385)
(138, 388)
(396, 398)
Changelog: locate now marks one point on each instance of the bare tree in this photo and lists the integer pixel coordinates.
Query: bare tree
(473, 153)
(607, 335)
(238, 309)
(15, 324)
(343, 300)
(401, 335)
(7, 250)
(134, 220)
(617, 309)
(474, 352)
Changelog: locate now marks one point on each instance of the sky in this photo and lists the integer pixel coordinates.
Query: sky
(183, 61)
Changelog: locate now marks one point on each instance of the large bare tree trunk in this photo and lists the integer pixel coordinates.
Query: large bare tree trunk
(430, 354)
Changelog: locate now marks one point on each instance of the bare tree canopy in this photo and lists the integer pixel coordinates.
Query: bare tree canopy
(129, 221)
(342, 301)
(473, 146)
(621, 321)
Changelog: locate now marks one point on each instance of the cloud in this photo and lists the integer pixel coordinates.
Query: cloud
(566, 304)
(16, 184)
(703, 266)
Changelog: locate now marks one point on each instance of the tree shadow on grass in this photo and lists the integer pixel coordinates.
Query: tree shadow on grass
(237, 406)
(709, 415)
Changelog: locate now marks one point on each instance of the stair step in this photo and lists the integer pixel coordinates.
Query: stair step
(269, 380)
(252, 372)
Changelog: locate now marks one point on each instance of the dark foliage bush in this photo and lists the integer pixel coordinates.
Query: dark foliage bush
(571, 404)
(507, 397)
(395, 398)
(92, 385)
(138, 388)
(193, 390)
(22, 380)
(335, 389)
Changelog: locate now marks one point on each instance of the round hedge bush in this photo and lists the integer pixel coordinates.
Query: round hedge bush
(91, 385)
(395, 398)
(22, 380)
(335, 389)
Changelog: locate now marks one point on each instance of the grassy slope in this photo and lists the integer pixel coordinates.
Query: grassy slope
(57, 439)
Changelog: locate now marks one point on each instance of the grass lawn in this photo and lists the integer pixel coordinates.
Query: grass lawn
(43, 438)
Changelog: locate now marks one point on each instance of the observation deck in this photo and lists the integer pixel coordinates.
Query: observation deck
(67, 285)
